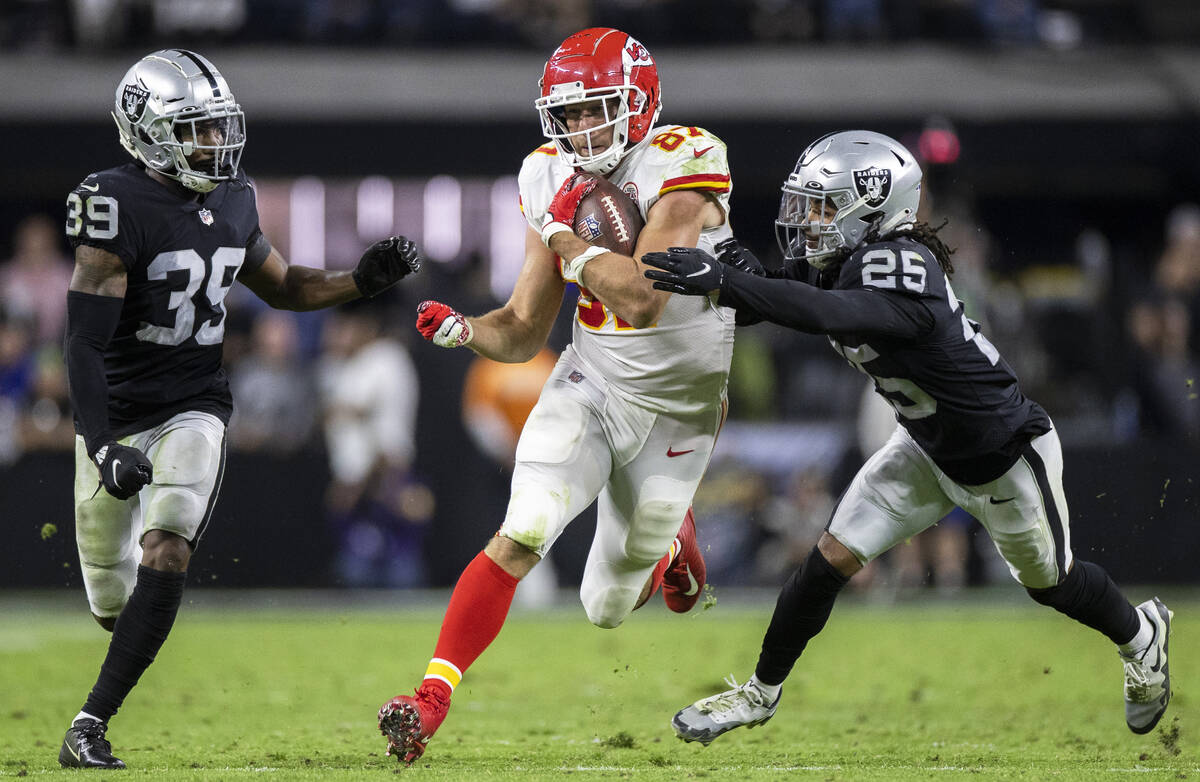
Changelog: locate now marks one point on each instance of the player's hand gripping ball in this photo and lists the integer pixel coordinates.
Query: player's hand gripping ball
(385, 263)
(443, 325)
(608, 218)
(561, 212)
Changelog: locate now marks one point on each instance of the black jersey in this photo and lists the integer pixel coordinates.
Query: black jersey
(890, 311)
(181, 255)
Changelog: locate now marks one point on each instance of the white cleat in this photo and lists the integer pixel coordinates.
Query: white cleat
(1147, 679)
(708, 718)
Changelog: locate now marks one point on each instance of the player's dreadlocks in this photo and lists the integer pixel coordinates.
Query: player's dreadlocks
(919, 231)
(927, 235)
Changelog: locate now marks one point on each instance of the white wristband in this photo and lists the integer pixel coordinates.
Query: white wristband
(573, 268)
(551, 228)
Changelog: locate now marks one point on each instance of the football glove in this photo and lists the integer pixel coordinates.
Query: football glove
(686, 270)
(442, 325)
(561, 212)
(734, 254)
(385, 263)
(123, 470)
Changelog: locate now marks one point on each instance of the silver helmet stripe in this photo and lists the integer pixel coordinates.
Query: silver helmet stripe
(212, 80)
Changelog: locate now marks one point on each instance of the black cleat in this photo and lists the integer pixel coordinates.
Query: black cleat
(84, 746)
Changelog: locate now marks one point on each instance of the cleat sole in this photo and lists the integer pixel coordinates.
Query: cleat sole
(401, 725)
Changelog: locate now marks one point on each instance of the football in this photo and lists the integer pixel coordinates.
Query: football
(609, 218)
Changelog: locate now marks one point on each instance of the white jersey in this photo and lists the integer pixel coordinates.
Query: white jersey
(681, 363)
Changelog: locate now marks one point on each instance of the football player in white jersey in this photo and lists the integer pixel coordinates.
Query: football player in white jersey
(631, 412)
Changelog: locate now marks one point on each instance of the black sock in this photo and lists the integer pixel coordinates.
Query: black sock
(1090, 597)
(139, 633)
(802, 609)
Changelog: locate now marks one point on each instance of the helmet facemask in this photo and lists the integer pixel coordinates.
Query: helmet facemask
(795, 224)
(619, 102)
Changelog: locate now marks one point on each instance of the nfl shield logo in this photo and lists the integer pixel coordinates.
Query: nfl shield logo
(875, 184)
(133, 102)
(589, 229)
(205, 216)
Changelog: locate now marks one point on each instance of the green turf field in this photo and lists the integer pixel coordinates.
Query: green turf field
(265, 689)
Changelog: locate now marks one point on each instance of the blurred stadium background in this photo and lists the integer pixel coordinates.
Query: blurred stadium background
(1059, 137)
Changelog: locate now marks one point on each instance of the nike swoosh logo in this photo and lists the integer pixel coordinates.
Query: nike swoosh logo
(1155, 647)
(995, 501)
(71, 749)
(90, 188)
(694, 588)
(702, 271)
(700, 152)
(115, 463)
(672, 454)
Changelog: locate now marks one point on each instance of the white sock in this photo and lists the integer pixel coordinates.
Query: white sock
(1140, 642)
(770, 690)
(83, 715)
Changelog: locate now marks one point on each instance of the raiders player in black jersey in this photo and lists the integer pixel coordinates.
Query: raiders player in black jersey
(860, 269)
(158, 243)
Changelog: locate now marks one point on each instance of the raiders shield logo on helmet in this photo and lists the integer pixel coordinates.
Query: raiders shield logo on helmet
(874, 184)
(133, 101)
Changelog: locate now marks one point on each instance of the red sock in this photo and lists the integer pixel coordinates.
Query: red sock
(477, 610)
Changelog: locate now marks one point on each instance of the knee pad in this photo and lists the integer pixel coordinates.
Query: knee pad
(608, 606)
(657, 522)
(108, 588)
(535, 516)
(177, 509)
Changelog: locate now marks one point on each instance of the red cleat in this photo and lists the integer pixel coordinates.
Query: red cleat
(684, 580)
(409, 722)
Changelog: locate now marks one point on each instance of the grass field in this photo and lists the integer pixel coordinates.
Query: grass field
(285, 686)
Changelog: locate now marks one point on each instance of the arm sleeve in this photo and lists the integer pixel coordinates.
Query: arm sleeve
(790, 270)
(91, 322)
(804, 307)
(257, 250)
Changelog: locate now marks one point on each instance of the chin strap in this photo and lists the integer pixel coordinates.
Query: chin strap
(899, 220)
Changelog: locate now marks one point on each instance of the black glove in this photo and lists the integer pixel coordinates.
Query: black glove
(123, 470)
(735, 255)
(385, 263)
(687, 270)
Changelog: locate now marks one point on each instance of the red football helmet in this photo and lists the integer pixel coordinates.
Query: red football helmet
(606, 65)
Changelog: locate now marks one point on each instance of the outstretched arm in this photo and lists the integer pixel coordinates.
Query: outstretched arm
(513, 333)
(288, 287)
(691, 271)
(804, 307)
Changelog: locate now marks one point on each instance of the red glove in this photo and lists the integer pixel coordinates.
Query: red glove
(442, 325)
(561, 212)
